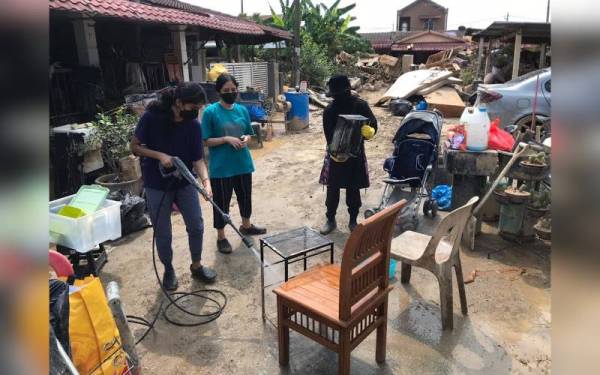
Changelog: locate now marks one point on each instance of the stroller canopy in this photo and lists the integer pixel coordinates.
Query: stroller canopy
(420, 122)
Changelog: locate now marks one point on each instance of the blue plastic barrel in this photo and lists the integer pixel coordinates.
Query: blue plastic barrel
(298, 117)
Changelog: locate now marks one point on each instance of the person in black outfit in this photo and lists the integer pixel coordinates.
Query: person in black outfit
(352, 174)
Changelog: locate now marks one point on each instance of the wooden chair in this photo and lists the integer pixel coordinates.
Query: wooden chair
(338, 306)
(437, 254)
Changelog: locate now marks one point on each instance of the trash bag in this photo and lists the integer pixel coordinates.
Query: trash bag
(95, 340)
(59, 312)
(500, 139)
(400, 107)
(133, 208)
(443, 195)
(58, 363)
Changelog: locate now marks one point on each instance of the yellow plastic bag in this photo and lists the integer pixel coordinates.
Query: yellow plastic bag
(216, 71)
(95, 340)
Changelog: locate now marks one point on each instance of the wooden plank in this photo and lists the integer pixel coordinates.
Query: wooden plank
(407, 61)
(517, 54)
(447, 101)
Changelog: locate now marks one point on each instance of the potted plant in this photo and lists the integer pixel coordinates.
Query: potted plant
(539, 204)
(535, 164)
(518, 195)
(499, 193)
(543, 228)
(115, 130)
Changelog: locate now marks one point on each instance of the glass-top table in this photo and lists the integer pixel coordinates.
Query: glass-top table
(292, 246)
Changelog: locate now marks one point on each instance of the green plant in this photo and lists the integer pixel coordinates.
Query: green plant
(538, 158)
(315, 66)
(114, 130)
(328, 26)
(541, 199)
(467, 75)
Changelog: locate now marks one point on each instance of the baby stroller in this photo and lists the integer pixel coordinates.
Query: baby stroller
(412, 164)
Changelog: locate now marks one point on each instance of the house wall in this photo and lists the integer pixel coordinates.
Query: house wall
(419, 9)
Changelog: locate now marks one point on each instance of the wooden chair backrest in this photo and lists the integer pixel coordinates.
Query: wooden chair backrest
(451, 228)
(366, 259)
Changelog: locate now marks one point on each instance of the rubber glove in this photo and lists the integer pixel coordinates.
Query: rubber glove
(367, 131)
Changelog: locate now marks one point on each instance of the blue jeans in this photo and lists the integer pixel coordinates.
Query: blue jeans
(188, 202)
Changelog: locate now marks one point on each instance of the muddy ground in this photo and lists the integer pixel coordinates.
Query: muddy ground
(507, 329)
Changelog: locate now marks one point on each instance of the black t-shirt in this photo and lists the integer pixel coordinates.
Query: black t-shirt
(158, 132)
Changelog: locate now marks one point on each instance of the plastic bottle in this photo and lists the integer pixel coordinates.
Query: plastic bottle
(478, 130)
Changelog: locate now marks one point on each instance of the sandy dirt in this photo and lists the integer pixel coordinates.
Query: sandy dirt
(507, 329)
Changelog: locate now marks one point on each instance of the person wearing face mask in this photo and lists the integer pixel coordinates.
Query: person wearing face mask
(352, 174)
(226, 129)
(169, 127)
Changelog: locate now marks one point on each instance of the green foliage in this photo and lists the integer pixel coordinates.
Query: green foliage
(541, 199)
(330, 28)
(114, 130)
(315, 66)
(538, 158)
(325, 28)
(467, 75)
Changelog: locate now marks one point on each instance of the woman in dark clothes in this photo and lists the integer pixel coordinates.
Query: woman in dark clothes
(352, 174)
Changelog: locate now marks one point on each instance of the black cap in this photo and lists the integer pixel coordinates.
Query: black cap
(338, 84)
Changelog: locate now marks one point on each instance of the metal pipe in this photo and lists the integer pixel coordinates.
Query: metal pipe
(127, 338)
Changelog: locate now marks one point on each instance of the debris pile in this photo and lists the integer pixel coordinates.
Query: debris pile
(452, 59)
(437, 86)
(372, 71)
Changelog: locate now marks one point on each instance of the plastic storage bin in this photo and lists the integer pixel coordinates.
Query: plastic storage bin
(87, 232)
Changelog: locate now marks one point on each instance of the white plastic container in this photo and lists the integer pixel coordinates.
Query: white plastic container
(466, 116)
(478, 129)
(87, 232)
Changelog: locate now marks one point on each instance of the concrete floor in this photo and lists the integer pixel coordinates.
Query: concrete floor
(507, 329)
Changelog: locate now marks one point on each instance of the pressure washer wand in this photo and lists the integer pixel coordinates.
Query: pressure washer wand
(181, 171)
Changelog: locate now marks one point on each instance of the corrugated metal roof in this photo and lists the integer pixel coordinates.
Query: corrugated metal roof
(532, 32)
(134, 11)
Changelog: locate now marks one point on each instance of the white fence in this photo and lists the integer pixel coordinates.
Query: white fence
(249, 74)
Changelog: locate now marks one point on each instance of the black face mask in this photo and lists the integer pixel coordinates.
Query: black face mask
(188, 115)
(229, 97)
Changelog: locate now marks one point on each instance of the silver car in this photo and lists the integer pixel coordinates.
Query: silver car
(513, 101)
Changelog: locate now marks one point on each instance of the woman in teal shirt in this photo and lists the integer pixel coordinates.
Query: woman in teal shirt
(226, 130)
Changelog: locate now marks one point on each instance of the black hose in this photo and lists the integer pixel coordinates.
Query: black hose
(206, 294)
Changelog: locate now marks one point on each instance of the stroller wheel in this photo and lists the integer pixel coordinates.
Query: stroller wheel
(434, 208)
(427, 208)
(368, 213)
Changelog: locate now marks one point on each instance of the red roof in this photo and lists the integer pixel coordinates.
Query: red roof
(130, 10)
(426, 46)
(176, 4)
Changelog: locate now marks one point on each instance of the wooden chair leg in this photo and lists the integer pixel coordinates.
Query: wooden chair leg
(283, 335)
(445, 281)
(382, 335)
(461, 287)
(405, 273)
(344, 353)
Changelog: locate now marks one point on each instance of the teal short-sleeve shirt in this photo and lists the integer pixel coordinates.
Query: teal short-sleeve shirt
(217, 121)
